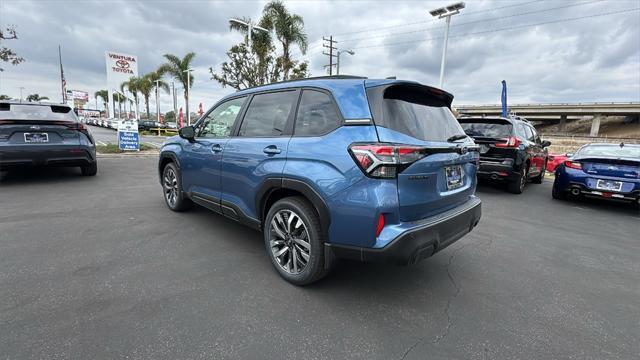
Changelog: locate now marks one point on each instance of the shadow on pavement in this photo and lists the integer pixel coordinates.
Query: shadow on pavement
(40, 175)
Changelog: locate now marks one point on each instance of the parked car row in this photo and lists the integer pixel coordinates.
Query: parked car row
(110, 123)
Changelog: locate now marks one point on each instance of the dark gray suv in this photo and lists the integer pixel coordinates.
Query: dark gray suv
(44, 134)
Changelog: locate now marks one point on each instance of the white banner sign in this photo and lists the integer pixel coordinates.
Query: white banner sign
(120, 67)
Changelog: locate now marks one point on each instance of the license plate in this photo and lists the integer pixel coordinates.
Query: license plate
(608, 185)
(454, 176)
(36, 137)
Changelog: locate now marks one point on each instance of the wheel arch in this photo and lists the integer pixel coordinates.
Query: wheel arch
(165, 158)
(274, 189)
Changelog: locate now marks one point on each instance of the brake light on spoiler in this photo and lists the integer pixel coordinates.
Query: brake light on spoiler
(384, 160)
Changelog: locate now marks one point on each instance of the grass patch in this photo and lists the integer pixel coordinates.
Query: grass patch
(113, 148)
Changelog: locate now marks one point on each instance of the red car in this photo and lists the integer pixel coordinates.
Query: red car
(554, 160)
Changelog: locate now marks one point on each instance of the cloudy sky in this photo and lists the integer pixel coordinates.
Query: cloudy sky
(547, 51)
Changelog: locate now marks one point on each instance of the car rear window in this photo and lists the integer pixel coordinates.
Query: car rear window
(486, 128)
(616, 151)
(413, 111)
(36, 112)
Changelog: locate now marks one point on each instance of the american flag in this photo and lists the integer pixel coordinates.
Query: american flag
(62, 80)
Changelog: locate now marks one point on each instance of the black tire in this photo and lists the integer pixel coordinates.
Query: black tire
(558, 194)
(315, 267)
(517, 186)
(90, 170)
(172, 189)
(540, 178)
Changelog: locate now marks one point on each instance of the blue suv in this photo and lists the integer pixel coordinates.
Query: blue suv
(333, 167)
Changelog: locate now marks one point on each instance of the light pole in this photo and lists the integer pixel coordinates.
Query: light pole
(250, 28)
(157, 103)
(446, 12)
(21, 88)
(340, 51)
(188, 71)
(175, 103)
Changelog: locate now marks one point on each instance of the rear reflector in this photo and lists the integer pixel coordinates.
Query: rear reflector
(380, 225)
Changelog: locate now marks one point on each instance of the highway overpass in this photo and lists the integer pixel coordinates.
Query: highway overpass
(558, 112)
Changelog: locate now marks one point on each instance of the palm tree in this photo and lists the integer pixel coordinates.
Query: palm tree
(148, 84)
(119, 99)
(177, 68)
(36, 97)
(104, 97)
(261, 45)
(289, 30)
(133, 86)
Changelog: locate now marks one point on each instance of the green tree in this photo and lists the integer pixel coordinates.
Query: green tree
(6, 54)
(177, 68)
(5, 97)
(133, 86)
(170, 116)
(103, 95)
(36, 97)
(289, 29)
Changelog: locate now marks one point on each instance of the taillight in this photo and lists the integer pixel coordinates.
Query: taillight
(380, 225)
(384, 160)
(510, 142)
(573, 165)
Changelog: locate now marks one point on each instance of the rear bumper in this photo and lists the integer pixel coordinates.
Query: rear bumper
(497, 171)
(426, 238)
(46, 155)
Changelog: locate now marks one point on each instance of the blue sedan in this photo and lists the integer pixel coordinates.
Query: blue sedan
(606, 171)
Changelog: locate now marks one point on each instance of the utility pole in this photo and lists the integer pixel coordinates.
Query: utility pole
(21, 88)
(446, 12)
(331, 48)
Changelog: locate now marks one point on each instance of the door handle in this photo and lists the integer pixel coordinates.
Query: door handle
(271, 150)
(216, 148)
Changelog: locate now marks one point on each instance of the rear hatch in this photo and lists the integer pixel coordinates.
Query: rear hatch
(610, 160)
(418, 120)
(35, 124)
(492, 136)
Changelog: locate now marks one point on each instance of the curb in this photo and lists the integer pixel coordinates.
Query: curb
(127, 155)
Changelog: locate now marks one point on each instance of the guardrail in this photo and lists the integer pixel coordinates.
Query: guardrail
(165, 131)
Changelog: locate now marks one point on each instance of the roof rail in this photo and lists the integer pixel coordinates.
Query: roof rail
(328, 77)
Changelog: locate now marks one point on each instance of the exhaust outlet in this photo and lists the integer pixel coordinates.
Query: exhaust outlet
(575, 191)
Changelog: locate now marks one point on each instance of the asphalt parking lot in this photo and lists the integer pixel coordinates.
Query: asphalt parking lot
(100, 268)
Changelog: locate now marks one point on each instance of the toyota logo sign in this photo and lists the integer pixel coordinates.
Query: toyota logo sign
(122, 64)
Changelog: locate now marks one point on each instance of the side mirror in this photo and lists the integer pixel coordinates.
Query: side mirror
(187, 133)
(546, 143)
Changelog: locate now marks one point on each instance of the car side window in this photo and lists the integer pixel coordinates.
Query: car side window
(317, 114)
(219, 122)
(267, 114)
(536, 137)
(529, 133)
(532, 134)
(521, 132)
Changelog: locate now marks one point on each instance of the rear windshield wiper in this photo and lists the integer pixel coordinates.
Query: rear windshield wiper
(457, 137)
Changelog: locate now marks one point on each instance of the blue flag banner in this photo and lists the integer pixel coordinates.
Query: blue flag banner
(504, 99)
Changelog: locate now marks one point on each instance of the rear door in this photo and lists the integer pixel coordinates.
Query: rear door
(418, 115)
(259, 150)
(537, 154)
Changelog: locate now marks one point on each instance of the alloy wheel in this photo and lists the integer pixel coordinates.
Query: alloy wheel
(170, 185)
(289, 241)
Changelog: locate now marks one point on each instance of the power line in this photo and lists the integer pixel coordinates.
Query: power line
(433, 21)
(471, 22)
(502, 29)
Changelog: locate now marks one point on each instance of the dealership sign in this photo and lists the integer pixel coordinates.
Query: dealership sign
(120, 68)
